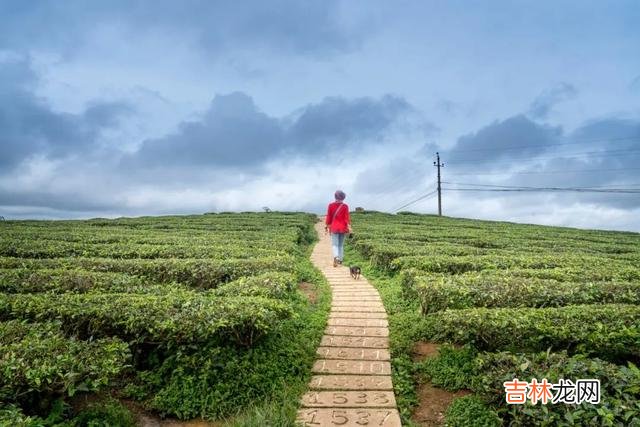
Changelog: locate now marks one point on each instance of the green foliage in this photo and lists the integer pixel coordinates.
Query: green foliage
(501, 286)
(62, 249)
(39, 364)
(619, 388)
(611, 331)
(24, 280)
(269, 285)
(199, 299)
(278, 411)
(452, 369)
(173, 318)
(199, 273)
(404, 384)
(471, 411)
(407, 333)
(218, 381)
(214, 382)
(106, 413)
(609, 269)
(12, 416)
(500, 289)
(409, 280)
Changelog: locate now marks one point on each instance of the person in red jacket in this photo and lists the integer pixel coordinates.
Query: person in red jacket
(338, 224)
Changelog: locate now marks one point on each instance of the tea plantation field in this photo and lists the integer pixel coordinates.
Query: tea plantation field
(508, 301)
(183, 316)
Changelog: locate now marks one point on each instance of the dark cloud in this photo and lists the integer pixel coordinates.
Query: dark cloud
(337, 121)
(29, 127)
(227, 146)
(69, 201)
(105, 114)
(609, 157)
(502, 142)
(602, 153)
(235, 133)
(635, 84)
(280, 25)
(609, 133)
(543, 104)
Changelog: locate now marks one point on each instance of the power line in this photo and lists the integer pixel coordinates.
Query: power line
(579, 155)
(401, 177)
(409, 199)
(519, 186)
(611, 189)
(425, 196)
(545, 172)
(552, 189)
(438, 190)
(517, 147)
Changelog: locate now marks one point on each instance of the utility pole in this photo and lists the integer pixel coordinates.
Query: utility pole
(439, 165)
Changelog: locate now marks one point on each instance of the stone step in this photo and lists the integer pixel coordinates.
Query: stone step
(351, 382)
(357, 331)
(348, 417)
(348, 399)
(357, 304)
(337, 272)
(358, 308)
(357, 315)
(355, 300)
(371, 323)
(344, 293)
(346, 353)
(353, 367)
(345, 283)
(354, 342)
(344, 296)
(348, 282)
(354, 295)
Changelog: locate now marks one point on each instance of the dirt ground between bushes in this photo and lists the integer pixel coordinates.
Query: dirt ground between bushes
(143, 417)
(147, 419)
(310, 291)
(423, 350)
(432, 401)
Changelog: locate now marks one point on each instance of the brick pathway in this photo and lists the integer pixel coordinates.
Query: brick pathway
(351, 385)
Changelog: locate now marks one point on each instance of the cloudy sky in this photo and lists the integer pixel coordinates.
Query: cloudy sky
(153, 107)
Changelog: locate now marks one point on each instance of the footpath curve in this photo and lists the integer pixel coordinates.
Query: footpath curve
(351, 383)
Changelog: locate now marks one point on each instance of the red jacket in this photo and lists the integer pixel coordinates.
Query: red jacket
(338, 222)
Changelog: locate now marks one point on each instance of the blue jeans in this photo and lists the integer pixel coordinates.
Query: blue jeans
(337, 244)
